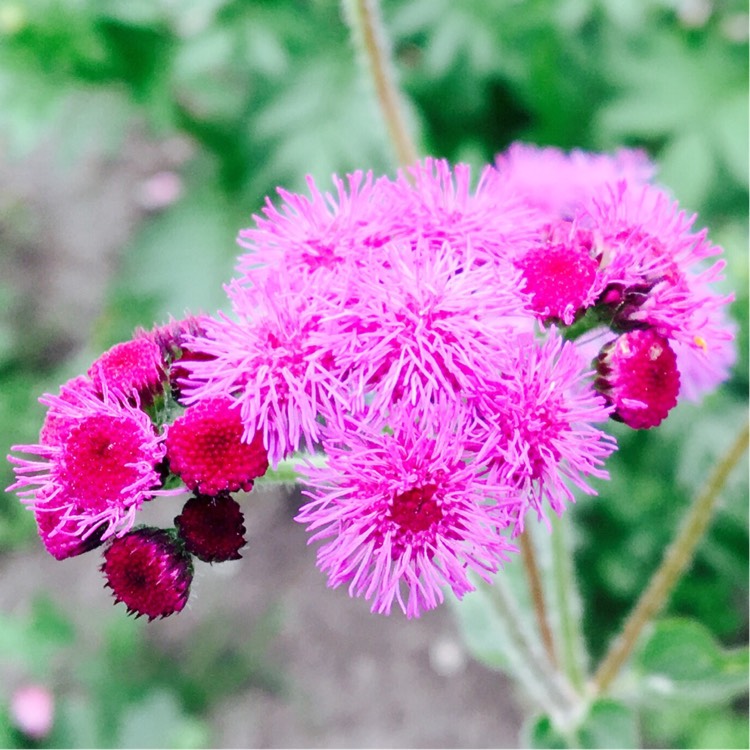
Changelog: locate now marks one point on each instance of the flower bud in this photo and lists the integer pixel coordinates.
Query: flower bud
(212, 528)
(638, 374)
(149, 571)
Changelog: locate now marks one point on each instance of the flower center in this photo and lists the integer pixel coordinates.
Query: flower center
(559, 279)
(416, 509)
(99, 458)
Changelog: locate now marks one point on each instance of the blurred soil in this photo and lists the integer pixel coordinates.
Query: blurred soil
(343, 677)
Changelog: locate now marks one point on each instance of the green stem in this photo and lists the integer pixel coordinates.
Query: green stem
(537, 595)
(285, 472)
(677, 557)
(542, 681)
(368, 34)
(568, 604)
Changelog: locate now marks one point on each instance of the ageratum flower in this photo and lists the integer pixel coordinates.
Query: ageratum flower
(212, 527)
(559, 272)
(658, 273)
(537, 420)
(433, 203)
(427, 321)
(638, 375)
(95, 479)
(131, 367)
(205, 448)
(309, 234)
(558, 183)
(407, 511)
(269, 359)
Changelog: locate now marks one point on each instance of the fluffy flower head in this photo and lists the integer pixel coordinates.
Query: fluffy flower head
(405, 512)
(100, 475)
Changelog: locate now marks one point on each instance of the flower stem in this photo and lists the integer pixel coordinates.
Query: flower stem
(537, 595)
(370, 39)
(542, 681)
(678, 556)
(286, 471)
(568, 604)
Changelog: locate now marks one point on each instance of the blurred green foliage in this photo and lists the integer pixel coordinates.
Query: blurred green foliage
(269, 91)
(123, 691)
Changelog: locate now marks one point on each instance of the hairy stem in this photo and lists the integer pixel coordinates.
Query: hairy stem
(542, 681)
(537, 595)
(678, 556)
(573, 654)
(370, 39)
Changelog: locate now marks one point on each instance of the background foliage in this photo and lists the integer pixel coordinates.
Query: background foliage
(264, 93)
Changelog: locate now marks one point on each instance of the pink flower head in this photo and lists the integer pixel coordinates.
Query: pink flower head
(149, 571)
(32, 711)
(407, 511)
(638, 374)
(307, 234)
(212, 528)
(107, 466)
(653, 264)
(559, 183)
(427, 321)
(134, 366)
(541, 411)
(268, 360)
(60, 534)
(57, 424)
(206, 450)
(559, 273)
(436, 204)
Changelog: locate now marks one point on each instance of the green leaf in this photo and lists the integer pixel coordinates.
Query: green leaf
(730, 126)
(539, 732)
(609, 724)
(682, 661)
(687, 166)
(155, 721)
(482, 629)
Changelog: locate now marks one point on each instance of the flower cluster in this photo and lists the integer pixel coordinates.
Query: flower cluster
(439, 357)
(118, 437)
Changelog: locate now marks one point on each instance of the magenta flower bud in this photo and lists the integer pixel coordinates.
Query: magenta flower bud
(131, 366)
(212, 528)
(205, 448)
(149, 571)
(32, 711)
(638, 374)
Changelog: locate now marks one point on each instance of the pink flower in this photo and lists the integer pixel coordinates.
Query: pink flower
(559, 273)
(205, 448)
(406, 511)
(424, 321)
(149, 571)
(537, 418)
(657, 274)
(99, 476)
(134, 366)
(557, 183)
(32, 711)
(434, 203)
(268, 359)
(308, 234)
